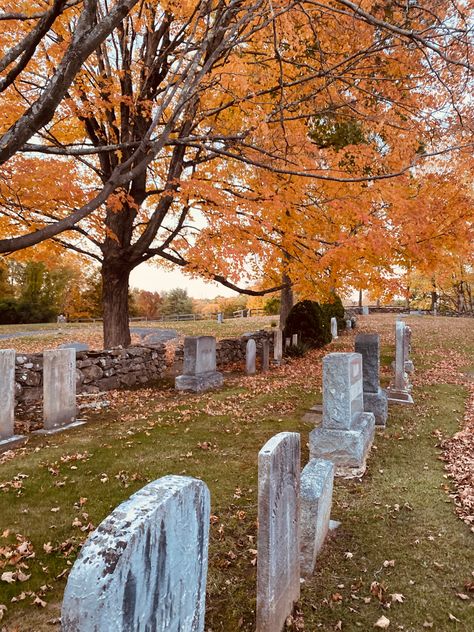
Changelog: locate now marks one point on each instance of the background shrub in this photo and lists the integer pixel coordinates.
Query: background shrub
(308, 320)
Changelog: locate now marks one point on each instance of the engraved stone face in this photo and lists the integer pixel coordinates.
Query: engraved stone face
(199, 355)
(278, 568)
(59, 387)
(145, 566)
(7, 392)
(342, 389)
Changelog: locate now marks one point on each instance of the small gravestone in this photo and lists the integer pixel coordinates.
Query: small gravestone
(199, 365)
(346, 432)
(250, 357)
(348, 323)
(398, 392)
(78, 346)
(316, 500)
(375, 399)
(365, 310)
(287, 342)
(265, 355)
(278, 346)
(59, 390)
(334, 328)
(294, 340)
(8, 440)
(144, 568)
(278, 565)
(220, 318)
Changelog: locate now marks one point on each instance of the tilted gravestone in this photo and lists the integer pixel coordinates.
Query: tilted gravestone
(278, 565)
(199, 366)
(399, 390)
(317, 480)
(8, 440)
(375, 399)
(59, 390)
(265, 355)
(334, 328)
(250, 357)
(144, 568)
(347, 432)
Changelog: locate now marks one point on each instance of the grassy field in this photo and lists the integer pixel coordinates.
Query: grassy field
(400, 551)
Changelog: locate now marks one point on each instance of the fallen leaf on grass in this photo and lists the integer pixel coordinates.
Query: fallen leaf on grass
(462, 596)
(3, 609)
(397, 597)
(451, 617)
(383, 623)
(9, 577)
(39, 602)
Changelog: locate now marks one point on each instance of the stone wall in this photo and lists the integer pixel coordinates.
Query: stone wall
(95, 370)
(230, 350)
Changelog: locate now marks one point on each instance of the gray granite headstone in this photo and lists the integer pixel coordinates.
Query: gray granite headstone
(199, 366)
(347, 432)
(287, 342)
(334, 328)
(59, 390)
(365, 310)
(375, 399)
(8, 440)
(144, 568)
(409, 367)
(220, 318)
(278, 566)
(398, 391)
(265, 355)
(250, 357)
(294, 340)
(278, 346)
(348, 323)
(316, 500)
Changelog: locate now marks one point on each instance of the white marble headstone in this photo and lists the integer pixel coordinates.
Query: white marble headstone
(59, 388)
(250, 357)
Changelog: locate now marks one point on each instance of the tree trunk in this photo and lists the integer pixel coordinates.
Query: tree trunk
(360, 298)
(286, 300)
(115, 279)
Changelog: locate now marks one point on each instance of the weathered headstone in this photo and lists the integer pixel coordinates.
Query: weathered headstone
(316, 500)
(145, 567)
(348, 323)
(220, 318)
(278, 566)
(346, 432)
(265, 355)
(294, 340)
(250, 357)
(334, 328)
(78, 346)
(8, 440)
(409, 367)
(199, 366)
(365, 310)
(59, 390)
(398, 391)
(278, 346)
(287, 342)
(375, 399)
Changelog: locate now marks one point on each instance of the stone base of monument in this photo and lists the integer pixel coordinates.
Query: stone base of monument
(15, 441)
(398, 396)
(314, 414)
(377, 404)
(199, 383)
(56, 429)
(316, 500)
(347, 449)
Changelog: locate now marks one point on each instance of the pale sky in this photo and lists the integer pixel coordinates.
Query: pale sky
(155, 279)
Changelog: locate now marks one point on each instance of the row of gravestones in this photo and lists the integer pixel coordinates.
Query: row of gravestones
(145, 566)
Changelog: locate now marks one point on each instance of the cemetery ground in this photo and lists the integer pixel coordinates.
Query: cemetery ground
(404, 550)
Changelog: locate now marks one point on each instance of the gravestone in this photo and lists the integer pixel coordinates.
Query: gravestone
(287, 342)
(346, 432)
(278, 565)
(348, 323)
(144, 568)
(365, 310)
(8, 440)
(398, 392)
(278, 346)
(294, 340)
(199, 366)
(250, 357)
(375, 399)
(78, 346)
(220, 318)
(334, 328)
(265, 355)
(59, 391)
(316, 500)
(409, 367)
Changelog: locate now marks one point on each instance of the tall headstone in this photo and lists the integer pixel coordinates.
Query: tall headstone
(199, 366)
(278, 346)
(375, 399)
(346, 432)
(398, 392)
(316, 500)
(409, 367)
(59, 390)
(265, 355)
(144, 568)
(278, 566)
(334, 328)
(8, 439)
(250, 357)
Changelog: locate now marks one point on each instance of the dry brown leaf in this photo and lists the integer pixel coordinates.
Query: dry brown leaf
(382, 623)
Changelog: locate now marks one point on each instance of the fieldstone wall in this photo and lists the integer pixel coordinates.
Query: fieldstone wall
(95, 370)
(230, 350)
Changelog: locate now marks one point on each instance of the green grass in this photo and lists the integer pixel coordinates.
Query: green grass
(400, 510)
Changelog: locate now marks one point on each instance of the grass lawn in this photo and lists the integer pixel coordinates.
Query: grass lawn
(400, 551)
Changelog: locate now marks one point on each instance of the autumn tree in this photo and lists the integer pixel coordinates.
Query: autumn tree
(230, 137)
